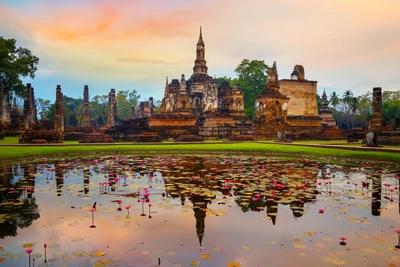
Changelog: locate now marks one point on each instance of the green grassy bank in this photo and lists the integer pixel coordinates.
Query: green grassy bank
(15, 152)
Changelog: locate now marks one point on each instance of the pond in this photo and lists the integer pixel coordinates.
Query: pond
(199, 210)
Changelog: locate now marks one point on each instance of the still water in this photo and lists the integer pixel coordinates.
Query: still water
(198, 211)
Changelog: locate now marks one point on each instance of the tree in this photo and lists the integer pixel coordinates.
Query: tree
(252, 79)
(347, 97)
(220, 80)
(125, 100)
(42, 107)
(15, 62)
(334, 99)
(98, 109)
(319, 101)
(353, 107)
(364, 109)
(72, 111)
(390, 107)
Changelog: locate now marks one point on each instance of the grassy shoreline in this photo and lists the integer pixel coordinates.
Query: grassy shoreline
(10, 152)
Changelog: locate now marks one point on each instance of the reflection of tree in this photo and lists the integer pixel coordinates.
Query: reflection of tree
(17, 215)
(254, 203)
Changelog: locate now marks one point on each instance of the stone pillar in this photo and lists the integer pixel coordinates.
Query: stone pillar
(141, 109)
(59, 111)
(150, 106)
(4, 107)
(86, 118)
(112, 109)
(376, 110)
(376, 121)
(29, 108)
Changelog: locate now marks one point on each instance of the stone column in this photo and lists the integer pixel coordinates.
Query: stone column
(112, 109)
(29, 108)
(4, 107)
(141, 110)
(86, 118)
(376, 121)
(376, 110)
(59, 111)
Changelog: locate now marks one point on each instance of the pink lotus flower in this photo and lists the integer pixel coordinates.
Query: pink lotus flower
(321, 210)
(343, 239)
(29, 250)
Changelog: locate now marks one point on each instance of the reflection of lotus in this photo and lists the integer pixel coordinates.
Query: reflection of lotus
(150, 210)
(92, 210)
(398, 236)
(45, 256)
(127, 209)
(29, 250)
(143, 201)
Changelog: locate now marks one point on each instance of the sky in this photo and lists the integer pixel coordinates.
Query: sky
(135, 44)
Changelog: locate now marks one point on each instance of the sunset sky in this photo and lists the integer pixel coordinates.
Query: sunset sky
(134, 44)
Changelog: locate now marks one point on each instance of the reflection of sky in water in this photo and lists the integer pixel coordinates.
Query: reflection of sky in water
(175, 225)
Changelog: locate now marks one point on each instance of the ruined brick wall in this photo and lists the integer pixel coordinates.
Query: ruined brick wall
(302, 97)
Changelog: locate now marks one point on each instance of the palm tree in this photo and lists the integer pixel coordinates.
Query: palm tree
(334, 99)
(354, 107)
(347, 97)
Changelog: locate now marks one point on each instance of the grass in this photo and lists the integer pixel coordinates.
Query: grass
(11, 153)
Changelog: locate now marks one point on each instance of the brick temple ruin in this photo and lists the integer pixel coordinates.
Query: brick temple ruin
(195, 109)
(191, 110)
(288, 108)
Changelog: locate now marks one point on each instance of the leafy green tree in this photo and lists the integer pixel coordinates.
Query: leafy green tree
(15, 62)
(42, 107)
(319, 101)
(252, 79)
(354, 107)
(364, 109)
(125, 100)
(220, 80)
(98, 109)
(347, 98)
(157, 106)
(390, 107)
(334, 99)
(71, 111)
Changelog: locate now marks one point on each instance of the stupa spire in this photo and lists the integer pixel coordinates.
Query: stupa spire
(200, 66)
